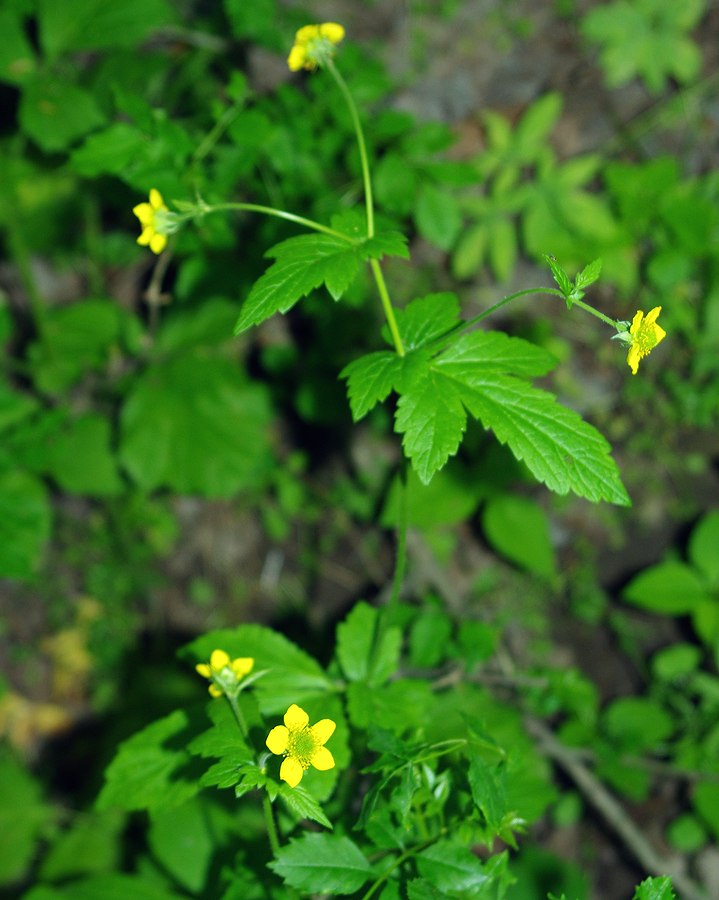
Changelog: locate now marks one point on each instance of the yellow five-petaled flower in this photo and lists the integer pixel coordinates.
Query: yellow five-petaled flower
(302, 744)
(224, 671)
(645, 334)
(314, 44)
(152, 219)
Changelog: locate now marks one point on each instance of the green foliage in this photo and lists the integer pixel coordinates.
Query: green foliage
(20, 792)
(648, 39)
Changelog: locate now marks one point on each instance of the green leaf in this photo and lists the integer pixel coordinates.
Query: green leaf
(303, 805)
(23, 817)
(364, 652)
(703, 545)
(427, 318)
(223, 742)
(17, 58)
(560, 276)
(518, 528)
(95, 24)
(432, 419)
(395, 182)
(370, 380)
(301, 265)
(182, 840)
(80, 459)
(384, 243)
(438, 216)
(659, 888)
(109, 151)
(74, 339)
(25, 517)
(487, 784)
(293, 676)
(671, 588)
(451, 867)
(147, 774)
(588, 275)
(190, 424)
(93, 843)
(14, 406)
(502, 248)
(108, 886)
(705, 799)
(55, 113)
(322, 864)
(558, 447)
(638, 723)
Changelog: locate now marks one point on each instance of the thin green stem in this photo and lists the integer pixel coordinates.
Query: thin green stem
(408, 854)
(401, 558)
(270, 825)
(234, 704)
(362, 146)
(387, 306)
(277, 213)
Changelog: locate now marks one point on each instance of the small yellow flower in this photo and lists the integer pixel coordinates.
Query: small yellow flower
(223, 671)
(314, 44)
(153, 220)
(645, 334)
(301, 744)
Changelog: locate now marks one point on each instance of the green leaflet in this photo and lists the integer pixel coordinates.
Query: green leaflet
(305, 262)
(483, 374)
(322, 863)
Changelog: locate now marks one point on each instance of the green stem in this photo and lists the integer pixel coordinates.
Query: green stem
(401, 559)
(270, 825)
(364, 161)
(387, 306)
(234, 703)
(369, 204)
(277, 213)
(408, 854)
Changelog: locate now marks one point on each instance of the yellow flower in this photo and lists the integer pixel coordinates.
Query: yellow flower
(224, 672)
(301, 744)
(154, 222)
(645, 334)
(314, 44)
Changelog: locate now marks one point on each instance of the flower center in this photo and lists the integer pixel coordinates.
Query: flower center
(646, 340)
(302, 746)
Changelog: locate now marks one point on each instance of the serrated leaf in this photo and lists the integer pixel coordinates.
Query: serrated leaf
(659, 888)
(302, 264)
(384, 243)
(427, 318)
(451, 867)
(487, 784)
(497, 352)
(432, 419)
(303, 804)
(190, 424)
(560, 276)
(370, 380)
(555, 443)
(588, 275)
(146, 773)
(322, 864)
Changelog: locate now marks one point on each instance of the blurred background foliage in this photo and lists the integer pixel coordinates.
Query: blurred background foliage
(159, 477)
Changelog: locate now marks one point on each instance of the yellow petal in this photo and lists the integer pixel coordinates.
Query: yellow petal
(242, 666)
(156, 201)
(297, 58)
(332, 31)
(291, 771)
(144, 212)
(214, 690)
(218, 658)
(295, 718)
(633, 358)
(146, 236)
(323, 730)
(322, 759)
(652, 315)
(278, 739)
(636, 322)
(307, 33)
(158, 242)
(203, 669)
